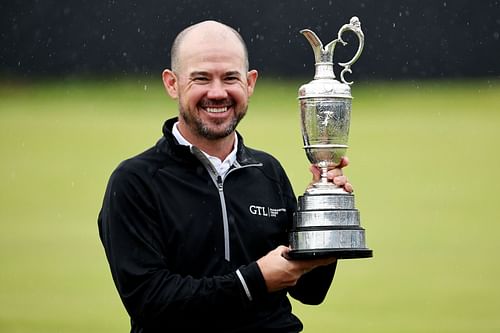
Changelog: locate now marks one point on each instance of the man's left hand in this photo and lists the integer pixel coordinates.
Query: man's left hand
(335, 175)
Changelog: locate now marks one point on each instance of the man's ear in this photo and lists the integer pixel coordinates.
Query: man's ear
(170, 83)
(251, 81)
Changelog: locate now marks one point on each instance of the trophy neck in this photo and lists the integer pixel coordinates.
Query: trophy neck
(324, 70)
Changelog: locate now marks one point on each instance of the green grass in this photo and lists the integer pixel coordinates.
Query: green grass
(424, 163)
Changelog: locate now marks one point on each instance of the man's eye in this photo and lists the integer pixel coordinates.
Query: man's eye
(232, 78)
(200, 79)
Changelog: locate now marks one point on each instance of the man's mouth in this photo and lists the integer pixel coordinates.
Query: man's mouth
(216, 109)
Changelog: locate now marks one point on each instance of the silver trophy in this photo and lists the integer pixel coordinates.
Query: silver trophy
(326, 222)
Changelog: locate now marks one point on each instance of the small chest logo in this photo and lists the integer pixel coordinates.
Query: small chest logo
(265, 211)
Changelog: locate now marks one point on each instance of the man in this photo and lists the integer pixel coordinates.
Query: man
(186, 224)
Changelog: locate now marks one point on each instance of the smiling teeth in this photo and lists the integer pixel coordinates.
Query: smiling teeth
(217, 110)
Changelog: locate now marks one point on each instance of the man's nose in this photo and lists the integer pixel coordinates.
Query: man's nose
(217, 90)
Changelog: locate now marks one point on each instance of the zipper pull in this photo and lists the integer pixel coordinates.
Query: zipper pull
(219, 182)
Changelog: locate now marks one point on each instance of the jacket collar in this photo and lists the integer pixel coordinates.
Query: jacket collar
(170, 145)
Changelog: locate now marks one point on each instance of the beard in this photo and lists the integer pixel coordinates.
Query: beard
(214, 130)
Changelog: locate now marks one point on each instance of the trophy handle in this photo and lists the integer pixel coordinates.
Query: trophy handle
(354, 25)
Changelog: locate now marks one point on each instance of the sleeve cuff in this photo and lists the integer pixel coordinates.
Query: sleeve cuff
(252, 281)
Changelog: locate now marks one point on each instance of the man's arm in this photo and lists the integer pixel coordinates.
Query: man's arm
(151, 292)
(308, 280)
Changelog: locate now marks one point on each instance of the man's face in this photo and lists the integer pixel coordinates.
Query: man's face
(213, 87)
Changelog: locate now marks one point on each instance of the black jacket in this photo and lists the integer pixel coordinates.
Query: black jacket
(182, 243)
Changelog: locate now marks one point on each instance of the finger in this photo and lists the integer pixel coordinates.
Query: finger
(283, 251)
(315, 171)
(343, 162)
(348, 187)
(340, 180)
(310, 264)
(333, 173)
(326, 261)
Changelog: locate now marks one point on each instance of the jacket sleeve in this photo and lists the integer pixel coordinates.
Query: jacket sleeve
(312, 287)
(152, 294)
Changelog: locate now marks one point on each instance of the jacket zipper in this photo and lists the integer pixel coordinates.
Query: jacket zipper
(225, 221)
(219, 184)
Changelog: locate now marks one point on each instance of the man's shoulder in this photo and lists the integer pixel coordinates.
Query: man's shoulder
(145, 163)
(260, 155)
(268, 161)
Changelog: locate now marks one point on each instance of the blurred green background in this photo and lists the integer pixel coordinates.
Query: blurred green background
(424, 163)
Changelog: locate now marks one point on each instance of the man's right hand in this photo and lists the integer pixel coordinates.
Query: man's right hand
(280, 273)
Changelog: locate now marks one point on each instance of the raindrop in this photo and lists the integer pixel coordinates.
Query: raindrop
(496, 35)
(145, 87)
(103, 37)
(394, 24)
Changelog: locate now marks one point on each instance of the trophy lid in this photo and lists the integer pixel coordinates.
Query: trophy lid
(324, 83)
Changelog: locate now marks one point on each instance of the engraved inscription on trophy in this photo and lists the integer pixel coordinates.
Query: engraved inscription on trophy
(326, 222)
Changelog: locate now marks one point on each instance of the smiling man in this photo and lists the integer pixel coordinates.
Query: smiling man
(211, 81)
(195, 228)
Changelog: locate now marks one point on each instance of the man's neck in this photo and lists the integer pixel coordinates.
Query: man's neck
(219, 148)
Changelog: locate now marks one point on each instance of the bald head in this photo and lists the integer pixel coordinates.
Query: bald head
(211, 31)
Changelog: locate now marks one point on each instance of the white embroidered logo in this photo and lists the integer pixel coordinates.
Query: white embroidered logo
(265, 211)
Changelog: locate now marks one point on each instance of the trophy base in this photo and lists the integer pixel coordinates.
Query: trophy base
(327, 225)
(326, 253)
